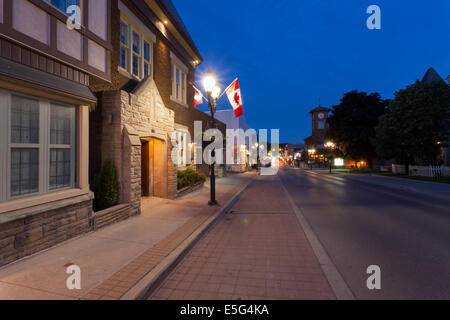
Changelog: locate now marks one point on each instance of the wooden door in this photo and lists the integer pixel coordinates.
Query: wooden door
(159, 170)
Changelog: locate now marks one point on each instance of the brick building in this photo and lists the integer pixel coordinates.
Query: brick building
(45, 70)
(117, 80)
(320, 127)
(150, 96)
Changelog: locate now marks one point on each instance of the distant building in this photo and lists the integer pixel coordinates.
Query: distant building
(320, 127)
(432, 76)
(293, 152)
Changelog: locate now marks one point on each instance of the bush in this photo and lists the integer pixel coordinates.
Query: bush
(189, 178)
(107, 189)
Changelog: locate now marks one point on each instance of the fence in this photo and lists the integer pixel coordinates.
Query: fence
(422, 171)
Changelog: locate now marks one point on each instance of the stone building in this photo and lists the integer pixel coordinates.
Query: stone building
(45, 70)
(150, 96)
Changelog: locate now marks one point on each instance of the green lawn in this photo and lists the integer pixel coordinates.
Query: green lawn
(356, 171)
(342, 170)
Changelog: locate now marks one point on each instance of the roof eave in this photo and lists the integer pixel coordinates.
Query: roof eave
(187, 36)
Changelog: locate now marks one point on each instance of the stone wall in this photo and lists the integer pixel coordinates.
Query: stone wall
(128, 117)
(33, 232)
(132, 170)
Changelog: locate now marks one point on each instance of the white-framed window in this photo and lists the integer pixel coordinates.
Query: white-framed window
(136, 51)
(37, 146)
(63, 5)
(147, 58)
(179, 82)
(182, 147)
(124, 45)
(136, 58)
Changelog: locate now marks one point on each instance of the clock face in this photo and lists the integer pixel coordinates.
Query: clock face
(321, 116)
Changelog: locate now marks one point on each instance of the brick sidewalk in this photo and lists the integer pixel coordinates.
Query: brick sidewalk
(259, 252)
(126, 278)
(114, 260)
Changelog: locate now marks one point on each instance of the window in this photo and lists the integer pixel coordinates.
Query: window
(182, 147)
(136, 54)
(38, 154)
(321, 124)
(63, 4)
(183, 86)
(124, 45)
(147, 66)
(135, 51)
(177, 84)
(24, 146)
(179, 81)
(60, 147)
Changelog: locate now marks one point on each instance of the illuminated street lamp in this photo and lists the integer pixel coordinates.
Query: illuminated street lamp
(330, 146)
(212, 94)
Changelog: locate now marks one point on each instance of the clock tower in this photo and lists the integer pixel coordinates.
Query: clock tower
(320, 123)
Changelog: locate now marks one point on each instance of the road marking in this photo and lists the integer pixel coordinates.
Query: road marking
(337, 283)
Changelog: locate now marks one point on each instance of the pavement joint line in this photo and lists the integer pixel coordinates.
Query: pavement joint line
(260, 212)
(335, 279)
(146, 286)
(36, 289)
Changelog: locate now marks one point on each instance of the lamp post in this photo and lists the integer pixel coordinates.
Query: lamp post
(330, 146)
(212, 93)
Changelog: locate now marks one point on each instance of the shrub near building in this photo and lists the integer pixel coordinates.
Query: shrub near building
(106, 193)
(190, 178)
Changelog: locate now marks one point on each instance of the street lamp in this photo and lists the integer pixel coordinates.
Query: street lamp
(330, 146)
(212, 94)
(311, 152)
(257, 147)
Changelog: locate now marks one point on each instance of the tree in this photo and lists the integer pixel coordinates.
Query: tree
(106, 193)
(353, 122)
(416, 125)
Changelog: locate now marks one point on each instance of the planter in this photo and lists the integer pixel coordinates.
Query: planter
(101, 219)
(186, 190)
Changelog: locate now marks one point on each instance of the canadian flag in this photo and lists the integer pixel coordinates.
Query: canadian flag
(234, 95)
(198, 97)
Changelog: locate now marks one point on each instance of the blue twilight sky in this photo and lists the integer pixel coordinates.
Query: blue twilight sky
(289, 53)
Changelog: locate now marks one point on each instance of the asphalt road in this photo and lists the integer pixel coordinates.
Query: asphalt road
(402, 226)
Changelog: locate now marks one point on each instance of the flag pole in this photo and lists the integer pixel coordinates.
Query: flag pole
(224, 91)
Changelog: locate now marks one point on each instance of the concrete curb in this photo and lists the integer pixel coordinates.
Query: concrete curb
(147, 285)
(337, 283)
